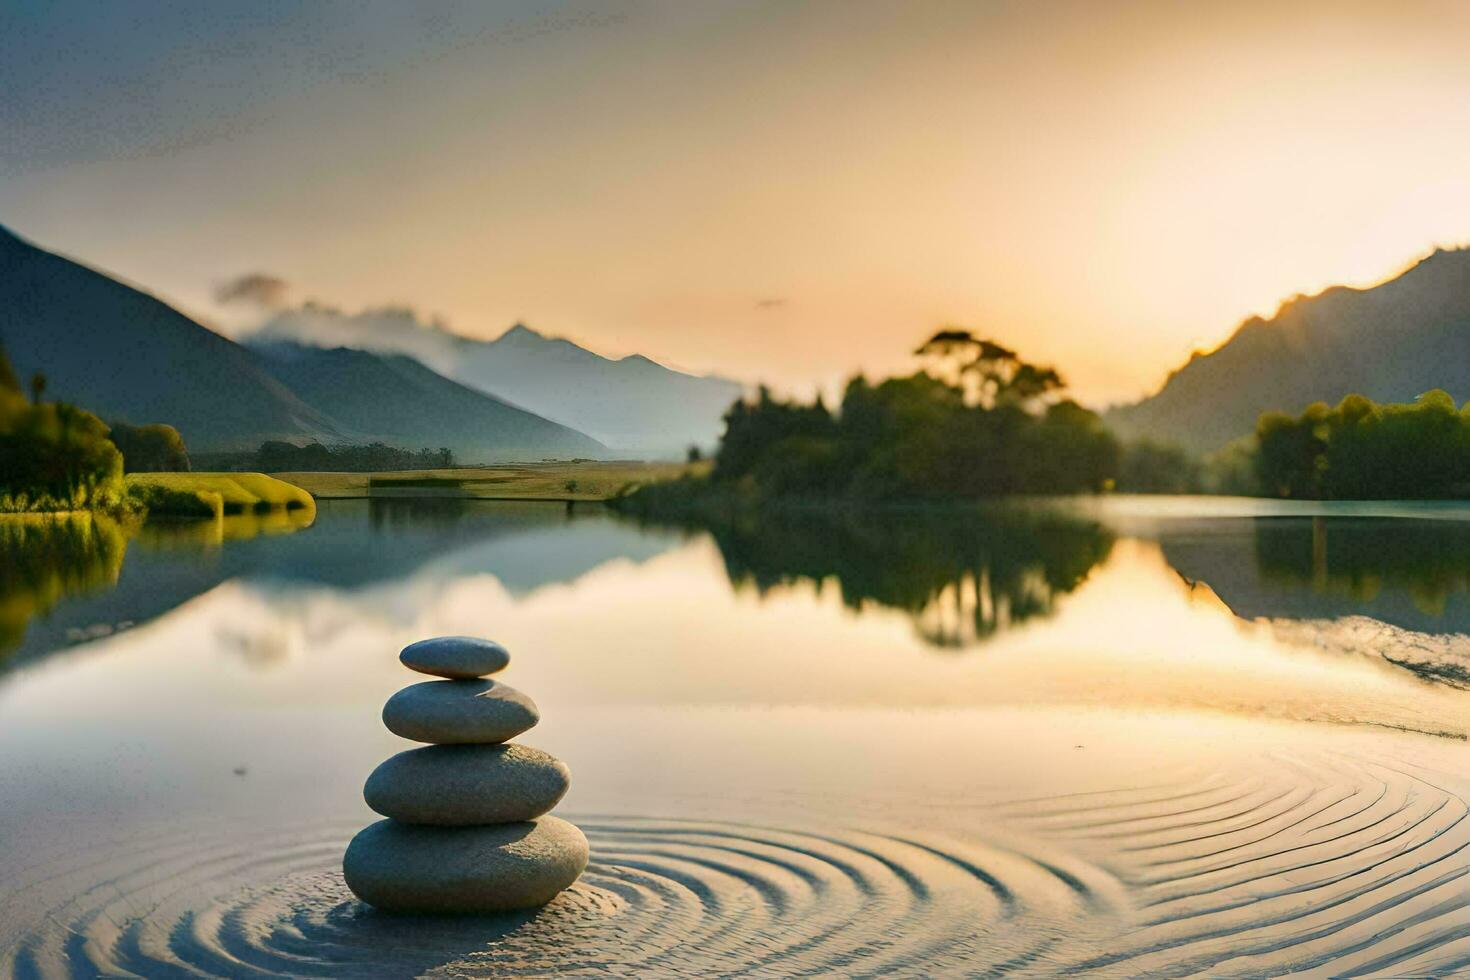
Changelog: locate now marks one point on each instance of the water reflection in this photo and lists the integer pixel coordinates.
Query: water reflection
(1413, 574)
(69, 580)
(764, 773)
(194, 534)
(62, 578)
(961, 575)
(44, 559)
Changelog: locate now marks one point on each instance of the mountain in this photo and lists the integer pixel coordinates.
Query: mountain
(1390, 342)
(394, 399)
(129, 357)
(126, 356)
(632, 404)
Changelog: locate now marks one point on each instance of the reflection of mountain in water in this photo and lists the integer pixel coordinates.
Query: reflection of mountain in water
(353, 544)
(961, 575)
(1414, 574)
(361, 543)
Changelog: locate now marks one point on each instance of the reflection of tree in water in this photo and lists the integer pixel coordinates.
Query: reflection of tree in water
(388, 513)
(194, 534)
(44, 559)
(1360, 558)
(961, 576)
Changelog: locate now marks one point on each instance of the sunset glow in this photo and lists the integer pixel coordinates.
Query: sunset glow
(782, 192)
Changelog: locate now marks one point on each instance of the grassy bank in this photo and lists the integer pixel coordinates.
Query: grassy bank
(213, 494)
(589, 480)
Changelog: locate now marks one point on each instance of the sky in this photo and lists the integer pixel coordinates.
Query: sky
(783, 192)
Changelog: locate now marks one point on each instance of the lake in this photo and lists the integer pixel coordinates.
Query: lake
(1115, 737)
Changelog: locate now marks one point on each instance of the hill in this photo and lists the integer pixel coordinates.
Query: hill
(394, 399)
(633, 404)
(130, 357)
(127, 356)
(1390, 342)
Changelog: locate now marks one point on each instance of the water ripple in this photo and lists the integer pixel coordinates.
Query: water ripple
(1325, 866)
(661, 898)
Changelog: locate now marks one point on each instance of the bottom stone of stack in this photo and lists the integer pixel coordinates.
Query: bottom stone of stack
(403, 867)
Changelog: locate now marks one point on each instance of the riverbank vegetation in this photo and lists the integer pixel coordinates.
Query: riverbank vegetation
(53, 456)
(581, 480)
(58, 458)
(214, 494)
(1361, 450)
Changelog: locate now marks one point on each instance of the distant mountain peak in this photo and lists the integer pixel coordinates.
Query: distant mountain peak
(632, 403)
(519, 331)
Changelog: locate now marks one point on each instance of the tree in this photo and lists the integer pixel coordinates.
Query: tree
(8, 380)
(1150, 467)
(988, 372)
(1289, 457)
(55, 456)
(150, 448)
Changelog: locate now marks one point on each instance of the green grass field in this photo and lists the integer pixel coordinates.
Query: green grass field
(214, 494)
(589, 480)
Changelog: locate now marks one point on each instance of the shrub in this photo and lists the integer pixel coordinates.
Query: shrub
(150, 448)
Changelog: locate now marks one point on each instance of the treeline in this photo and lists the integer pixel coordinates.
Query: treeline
(285, 457)
(1358, 450)
(981, 422)
(1362, 450)
(280, 457)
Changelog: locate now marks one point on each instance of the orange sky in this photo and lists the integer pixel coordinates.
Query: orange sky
(777, 191)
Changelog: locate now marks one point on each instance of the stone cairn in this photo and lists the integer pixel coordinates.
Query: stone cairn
(466, 828)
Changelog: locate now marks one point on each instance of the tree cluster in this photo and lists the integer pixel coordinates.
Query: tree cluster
(150, 448)
(53, 456)
(983, 422)
(1152, 467)
(1361, 450)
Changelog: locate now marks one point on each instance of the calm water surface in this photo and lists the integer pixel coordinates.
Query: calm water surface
(1127, 737)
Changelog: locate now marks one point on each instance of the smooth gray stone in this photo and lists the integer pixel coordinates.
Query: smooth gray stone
(460, 785)
(405, 868)
(457, 657)
(477, 712)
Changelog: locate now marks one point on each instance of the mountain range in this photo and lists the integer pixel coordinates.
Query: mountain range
(633, 404)
(401, 402)
(1390, 342)
(130, 357)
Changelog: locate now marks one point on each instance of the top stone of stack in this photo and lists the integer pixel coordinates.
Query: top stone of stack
(455, 657)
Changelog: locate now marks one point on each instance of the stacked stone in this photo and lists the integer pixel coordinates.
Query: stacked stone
(466, 827)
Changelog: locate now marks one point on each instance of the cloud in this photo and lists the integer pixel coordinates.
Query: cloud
(771, 303)
(259, 310)
(386, 329)
(255, 289)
